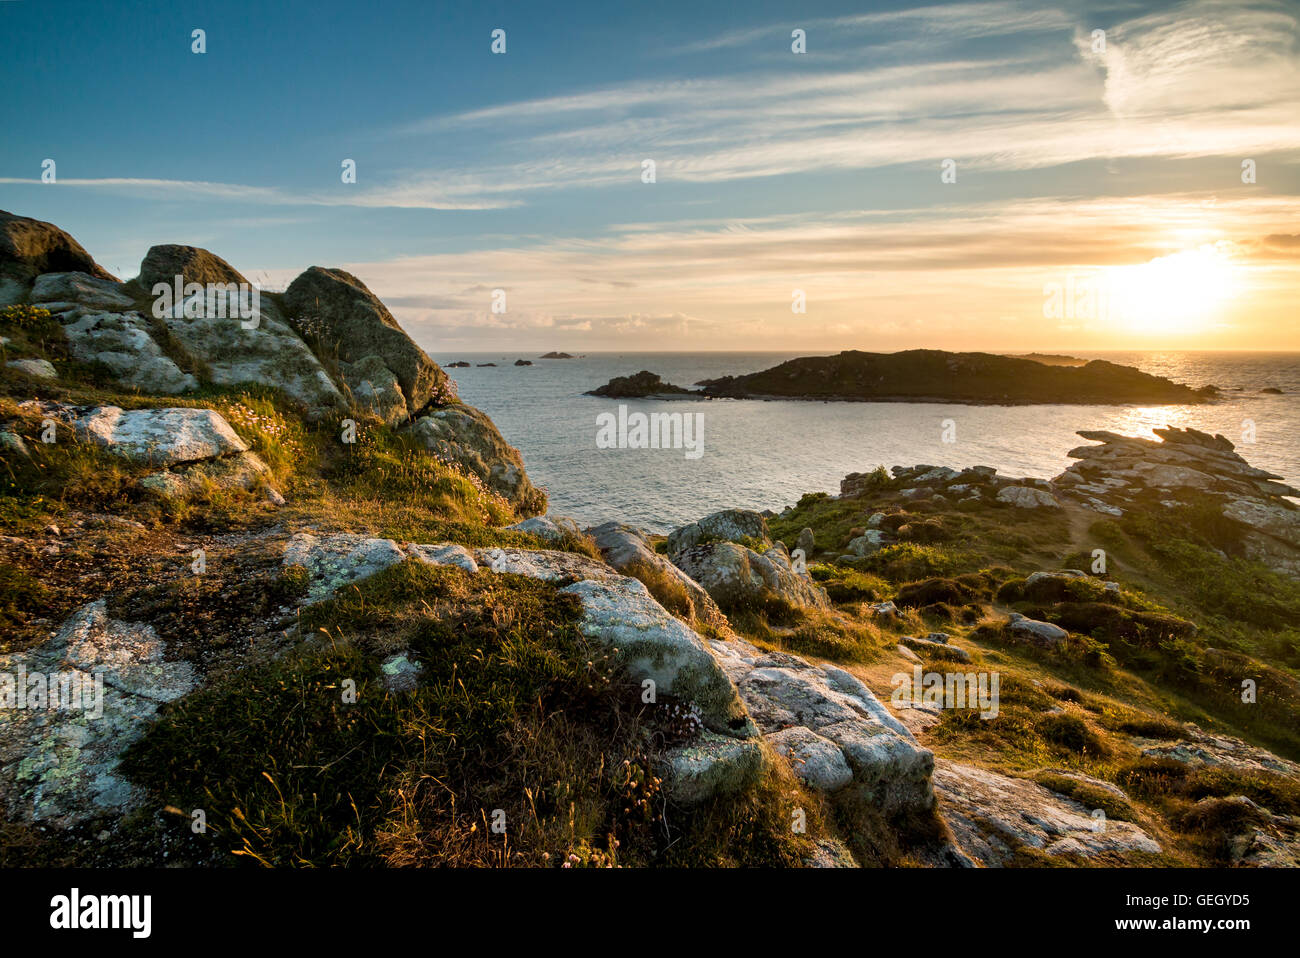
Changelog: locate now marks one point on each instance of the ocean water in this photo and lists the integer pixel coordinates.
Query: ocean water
(765, 455)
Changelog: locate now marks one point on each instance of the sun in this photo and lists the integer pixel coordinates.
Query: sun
(1181, 292)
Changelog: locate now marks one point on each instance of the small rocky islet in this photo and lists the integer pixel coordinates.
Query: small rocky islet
(231, 526)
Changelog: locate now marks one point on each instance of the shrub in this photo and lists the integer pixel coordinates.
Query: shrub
(1070, 733)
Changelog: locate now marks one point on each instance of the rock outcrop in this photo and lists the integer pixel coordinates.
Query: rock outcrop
(466, 436)
(618, 611)
(337, 309)
(366, 362)
(830, 726)
(31, 247)
(1126, 472)
(992, 815)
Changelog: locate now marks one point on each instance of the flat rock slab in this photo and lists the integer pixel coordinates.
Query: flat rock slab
(59, 766)
(991, 815)
(160, 437)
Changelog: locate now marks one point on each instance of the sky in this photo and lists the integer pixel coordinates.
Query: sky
(991, 175)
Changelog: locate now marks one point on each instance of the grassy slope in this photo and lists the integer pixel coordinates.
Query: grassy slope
(1131, 669)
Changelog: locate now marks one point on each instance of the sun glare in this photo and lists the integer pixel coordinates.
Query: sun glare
(1182, 292)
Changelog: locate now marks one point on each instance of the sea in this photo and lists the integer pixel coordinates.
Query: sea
(766, 454)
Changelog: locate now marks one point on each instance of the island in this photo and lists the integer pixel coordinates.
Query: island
(934, 375)
(642, 385)
(555, 355)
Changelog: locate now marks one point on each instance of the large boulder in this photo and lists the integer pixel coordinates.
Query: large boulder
(345, 316)
(729, 525)
(263, 350)
(466, 435)
(31, 247)
(162, 264)
(124, 343)
(739, 578)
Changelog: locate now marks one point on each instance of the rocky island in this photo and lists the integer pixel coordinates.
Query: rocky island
(642, 385)
(932, 375)
(325, 606)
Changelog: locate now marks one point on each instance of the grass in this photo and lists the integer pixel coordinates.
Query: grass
(516, 718)
(667, 589)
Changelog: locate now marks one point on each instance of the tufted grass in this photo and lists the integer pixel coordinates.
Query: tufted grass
(514, 711)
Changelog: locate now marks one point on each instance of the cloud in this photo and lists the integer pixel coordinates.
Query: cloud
(1203, 79)
(865, 273)
(424, 191)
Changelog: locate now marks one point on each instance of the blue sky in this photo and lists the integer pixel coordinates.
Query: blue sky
(774, 171)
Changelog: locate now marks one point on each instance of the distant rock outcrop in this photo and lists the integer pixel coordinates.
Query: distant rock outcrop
(644, 384)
